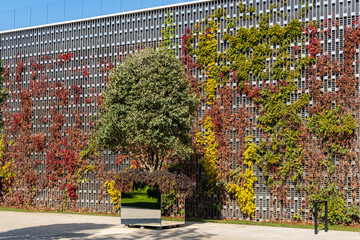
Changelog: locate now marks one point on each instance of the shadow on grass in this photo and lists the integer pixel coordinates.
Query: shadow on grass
(54, 231)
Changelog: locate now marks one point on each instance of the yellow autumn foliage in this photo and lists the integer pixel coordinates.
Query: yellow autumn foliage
(208, 56)
(7, 176)
(245, 193)
(209, 160)
(2, 147)
(114, 194)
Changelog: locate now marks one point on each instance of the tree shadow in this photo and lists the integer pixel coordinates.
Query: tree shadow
(172, 233)
(89, 230)
(54, 231)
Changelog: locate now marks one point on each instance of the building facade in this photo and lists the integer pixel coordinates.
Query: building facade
(76, 56)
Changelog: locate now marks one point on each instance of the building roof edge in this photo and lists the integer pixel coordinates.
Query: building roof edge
(104, 16)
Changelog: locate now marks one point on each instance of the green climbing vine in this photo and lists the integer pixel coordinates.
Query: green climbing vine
(168, 32)
(306, 135)
(207, 54)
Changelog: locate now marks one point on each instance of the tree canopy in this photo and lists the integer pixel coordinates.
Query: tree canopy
(148, 108)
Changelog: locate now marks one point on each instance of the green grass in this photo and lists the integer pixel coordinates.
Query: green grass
(139, 198)
(56, 211)
(163, 218)
(280, 224)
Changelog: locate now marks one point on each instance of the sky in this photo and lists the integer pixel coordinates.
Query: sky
(25, 13)
(12, 4)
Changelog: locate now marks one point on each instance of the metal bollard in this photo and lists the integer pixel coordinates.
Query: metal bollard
(316, 216)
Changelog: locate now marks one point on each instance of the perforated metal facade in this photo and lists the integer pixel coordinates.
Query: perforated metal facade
(115, 36)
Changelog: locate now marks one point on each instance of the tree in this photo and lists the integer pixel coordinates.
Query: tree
(148, 108)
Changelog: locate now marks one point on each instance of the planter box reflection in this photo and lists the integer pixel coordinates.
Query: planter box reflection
(147, 207)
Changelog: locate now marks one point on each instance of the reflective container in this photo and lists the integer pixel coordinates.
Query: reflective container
(146, 207)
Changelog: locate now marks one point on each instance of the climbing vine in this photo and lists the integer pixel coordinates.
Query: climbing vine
(242, 183)
(207, 54)
(114, 193)
(277, 106)
(305, 134)
(63, 150)
(209, 161)
(7, 175)
(168, 32)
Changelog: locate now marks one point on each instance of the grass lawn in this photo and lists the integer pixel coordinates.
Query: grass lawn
(140, 199)
(55, 211)
(282, 224)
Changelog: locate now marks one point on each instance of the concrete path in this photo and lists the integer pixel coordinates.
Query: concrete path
(49, 226)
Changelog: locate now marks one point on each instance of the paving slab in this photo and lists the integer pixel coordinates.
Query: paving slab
(49, 226)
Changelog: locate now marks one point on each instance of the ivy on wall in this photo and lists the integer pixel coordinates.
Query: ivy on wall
(114, 193)
(209, 161)
(68, 158)
(241, 184)
(307, 134)
(304, 136)
(207, 54)
(168, 32)
(7, 175)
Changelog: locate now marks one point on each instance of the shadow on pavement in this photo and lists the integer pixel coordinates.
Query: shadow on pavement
(91, 230)
(173, 233)
(54, 231)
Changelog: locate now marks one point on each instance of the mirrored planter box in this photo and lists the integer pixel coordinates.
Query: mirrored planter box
(146, 207)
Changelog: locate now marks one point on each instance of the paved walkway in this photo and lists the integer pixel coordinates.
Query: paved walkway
(49, 226)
